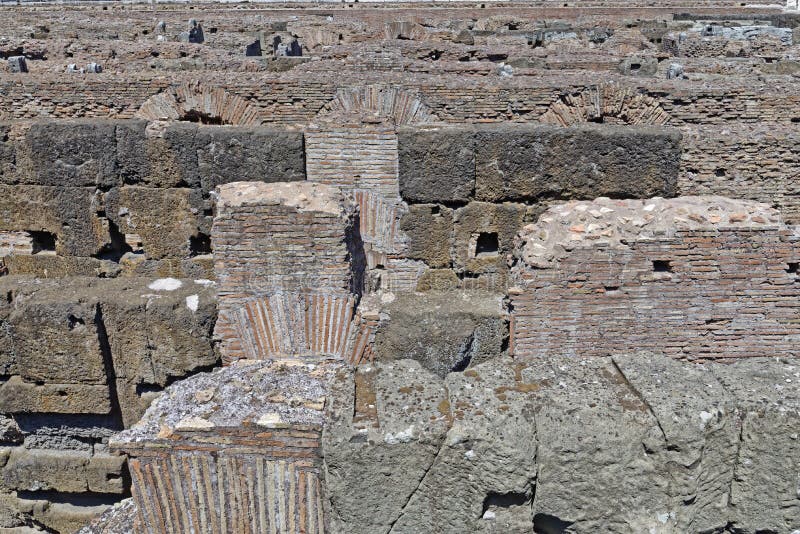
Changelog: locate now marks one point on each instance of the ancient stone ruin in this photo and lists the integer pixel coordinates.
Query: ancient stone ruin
(395, 267)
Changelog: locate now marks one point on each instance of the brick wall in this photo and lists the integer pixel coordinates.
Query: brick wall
(297, 99)
(288, 272)
(694, 277)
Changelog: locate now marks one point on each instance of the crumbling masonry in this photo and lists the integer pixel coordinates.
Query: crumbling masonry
(399, 267)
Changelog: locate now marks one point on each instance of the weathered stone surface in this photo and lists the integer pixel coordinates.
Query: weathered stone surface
(59, 470)
(69, 154)
(69, 213)
(429, 229)
(443, 330)
(631, 443)
(537, 162)
(400, 419)
(78, 337)
(483, 476)
(249, 154)
(163, 220)
(503, 163)
(638, 66)
(18, 396)
(436, 165)
(484, 235)
(55, 340)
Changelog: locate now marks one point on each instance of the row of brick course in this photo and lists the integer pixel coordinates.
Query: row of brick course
(695, 278)
(296, 99)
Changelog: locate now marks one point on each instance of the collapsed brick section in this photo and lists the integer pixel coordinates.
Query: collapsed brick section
(694, 277)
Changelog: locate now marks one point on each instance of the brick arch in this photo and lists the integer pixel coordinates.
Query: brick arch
(608, 104)
(388, 104)
(196, 102)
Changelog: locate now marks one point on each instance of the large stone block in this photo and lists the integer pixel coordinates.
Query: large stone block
(429, 229)
(157, 337)
(443, 330)
(55, 339)
(249, 155)
(484, 235)
(63, 334)
(161, 220)
(584, 162)
(497, 163)
(18, 396)
(383, 418)
(171, 156)
(631, 443)
(68, 213)
(69, 154)
(436, 165)
(62, 470)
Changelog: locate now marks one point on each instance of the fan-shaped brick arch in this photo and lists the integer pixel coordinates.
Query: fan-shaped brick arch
(385, 103)
(608, 104)
(199, 103)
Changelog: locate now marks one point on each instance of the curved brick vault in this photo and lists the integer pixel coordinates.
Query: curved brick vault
(385, 103)
(607, 103)
(200, 103)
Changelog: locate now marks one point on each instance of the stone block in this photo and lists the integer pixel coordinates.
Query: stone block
(18, 396)
(542, 162)
(171, 155)
(249, 154)
(436, 165)
(429, 228)
(156, 337)
(484, 235)
(45, 470)
(51, 266)
(149, 337)
(160, 222)
(104, 473)
(68, 213)
(55, 340)
(69, 154)
(444, 331)
(437, 280)
(389, 424)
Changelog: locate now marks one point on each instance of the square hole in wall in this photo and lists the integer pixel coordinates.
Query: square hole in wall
(793, 267)
(662, 266)
(43, 242)
(486, 244)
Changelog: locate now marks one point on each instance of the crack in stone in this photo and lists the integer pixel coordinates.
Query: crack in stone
(428, 470)
(641, 398)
